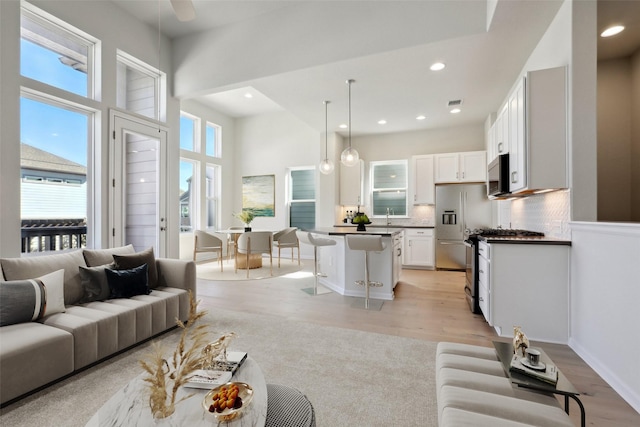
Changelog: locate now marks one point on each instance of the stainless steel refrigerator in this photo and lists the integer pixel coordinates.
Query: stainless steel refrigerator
(459, 208)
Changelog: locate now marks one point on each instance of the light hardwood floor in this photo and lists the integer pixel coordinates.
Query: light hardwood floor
(428, 305)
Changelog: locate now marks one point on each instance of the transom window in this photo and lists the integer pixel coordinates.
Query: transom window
(140, 87)
(389, 188)
(55, 53)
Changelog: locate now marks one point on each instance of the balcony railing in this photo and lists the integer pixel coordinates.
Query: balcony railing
(39, 235)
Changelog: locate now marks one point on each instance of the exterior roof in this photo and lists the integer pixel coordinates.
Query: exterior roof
(37, 159)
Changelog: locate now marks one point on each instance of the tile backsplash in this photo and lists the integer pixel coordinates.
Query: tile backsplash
(549, 213)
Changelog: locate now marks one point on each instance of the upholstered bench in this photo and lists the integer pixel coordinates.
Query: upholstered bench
(473, 389)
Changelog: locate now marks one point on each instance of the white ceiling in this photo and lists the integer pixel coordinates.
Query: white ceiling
(395, 85)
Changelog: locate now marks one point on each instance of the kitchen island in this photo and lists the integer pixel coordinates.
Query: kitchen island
(343, 266)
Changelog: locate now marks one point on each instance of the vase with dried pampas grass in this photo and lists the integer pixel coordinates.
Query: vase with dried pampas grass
(165, 377)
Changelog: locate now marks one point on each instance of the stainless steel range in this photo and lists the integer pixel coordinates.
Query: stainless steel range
(471, 276)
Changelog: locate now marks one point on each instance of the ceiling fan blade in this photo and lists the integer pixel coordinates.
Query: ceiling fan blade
(184, 10)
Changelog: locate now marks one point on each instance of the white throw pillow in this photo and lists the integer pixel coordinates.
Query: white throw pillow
(54, 286)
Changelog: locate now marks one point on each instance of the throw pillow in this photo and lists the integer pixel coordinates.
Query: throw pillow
(98, 257)
(94, 283)
(128, 283)
(31, 299)
(124, 262)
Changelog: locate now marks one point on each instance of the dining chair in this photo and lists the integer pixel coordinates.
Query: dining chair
(231, 242)
(205, 242)
(287, 238)
(255, 242)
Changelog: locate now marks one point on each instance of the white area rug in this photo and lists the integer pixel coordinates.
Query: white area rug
(211, 270)
(352, 378)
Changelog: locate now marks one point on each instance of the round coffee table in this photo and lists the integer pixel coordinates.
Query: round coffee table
(130, 405)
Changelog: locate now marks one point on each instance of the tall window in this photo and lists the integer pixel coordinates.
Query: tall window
(302, 198)
(389, 188)
(56, 131)
(140, 87)
(199, 174)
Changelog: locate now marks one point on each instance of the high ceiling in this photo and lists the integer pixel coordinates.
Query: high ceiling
(394, 84)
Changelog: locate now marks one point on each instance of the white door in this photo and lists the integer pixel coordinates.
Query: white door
(138, 183)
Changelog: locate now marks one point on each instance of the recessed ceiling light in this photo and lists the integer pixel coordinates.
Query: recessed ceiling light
(612, 31)
(455, 111)
(382, 122)
(437, 66)
(343, 126)
(421, 117)
(248, 95)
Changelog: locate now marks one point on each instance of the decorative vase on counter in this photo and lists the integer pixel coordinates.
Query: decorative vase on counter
(247, 227)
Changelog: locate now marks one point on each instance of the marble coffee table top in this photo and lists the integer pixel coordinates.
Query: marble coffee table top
(130, 405)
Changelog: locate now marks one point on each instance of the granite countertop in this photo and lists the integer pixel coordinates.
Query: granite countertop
(348, 229)
(528, 240)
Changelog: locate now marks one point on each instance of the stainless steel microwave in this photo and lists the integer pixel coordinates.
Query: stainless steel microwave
(498, 176)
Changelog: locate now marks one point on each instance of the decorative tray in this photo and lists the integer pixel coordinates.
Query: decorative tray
(212, 400)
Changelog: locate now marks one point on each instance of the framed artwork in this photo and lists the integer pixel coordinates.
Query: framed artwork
(259, 194)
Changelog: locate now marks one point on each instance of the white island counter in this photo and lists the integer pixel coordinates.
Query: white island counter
(344, 266)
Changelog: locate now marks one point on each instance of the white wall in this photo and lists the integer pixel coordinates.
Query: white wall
(635, 137)
(604, 295)
(270, 144)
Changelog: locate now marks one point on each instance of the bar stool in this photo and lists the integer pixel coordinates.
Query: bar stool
(309, 239)
(366, 244)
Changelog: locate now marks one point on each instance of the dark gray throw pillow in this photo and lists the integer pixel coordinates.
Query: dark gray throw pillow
(94, 283)
(125, 262)
(22, 301)
(128, 283)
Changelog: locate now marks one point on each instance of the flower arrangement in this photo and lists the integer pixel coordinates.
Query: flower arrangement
(165, 377)
(246, 216)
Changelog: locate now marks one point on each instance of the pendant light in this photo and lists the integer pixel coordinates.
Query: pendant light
(349, 156)
(326, 166)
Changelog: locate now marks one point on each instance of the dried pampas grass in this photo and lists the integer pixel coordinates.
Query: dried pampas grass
(165, 377)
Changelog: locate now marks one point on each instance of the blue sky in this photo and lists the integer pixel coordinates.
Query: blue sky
(56, 130)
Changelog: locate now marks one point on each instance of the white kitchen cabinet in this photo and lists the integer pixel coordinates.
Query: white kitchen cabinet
(461, 167)
(538, 132)
(352, 184)
(419, 247)
(484, 282)
(424, 190)
(527, 285)
(397, 257)
(501, 140)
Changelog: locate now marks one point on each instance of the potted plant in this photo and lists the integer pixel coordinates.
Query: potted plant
(245, 216)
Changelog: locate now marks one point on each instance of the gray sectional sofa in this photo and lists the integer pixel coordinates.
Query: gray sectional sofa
(473, 390)
(88, 327)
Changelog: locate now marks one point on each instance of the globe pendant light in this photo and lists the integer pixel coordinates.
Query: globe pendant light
(326, 166)
(349, 156)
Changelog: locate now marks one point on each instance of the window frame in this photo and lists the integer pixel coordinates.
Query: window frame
(159, 78)
(372, 166)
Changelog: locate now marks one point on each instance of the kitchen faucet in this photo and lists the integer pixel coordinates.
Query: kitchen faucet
(388, 220)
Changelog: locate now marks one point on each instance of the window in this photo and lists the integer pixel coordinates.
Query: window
(212, 137)
(302, 198)
(199, 174)
(140, 87)
(389, 188)
(55, 53)
(188, 132)
(187, 191)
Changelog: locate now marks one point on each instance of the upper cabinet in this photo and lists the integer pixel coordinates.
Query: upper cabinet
(461, 167)
(423, 180)
(538, 132)
(352, 184)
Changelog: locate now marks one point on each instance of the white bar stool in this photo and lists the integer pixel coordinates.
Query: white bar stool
(309, 239)
(366, 244)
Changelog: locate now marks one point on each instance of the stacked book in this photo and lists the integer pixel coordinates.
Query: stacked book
(546, 372)
(209, 378)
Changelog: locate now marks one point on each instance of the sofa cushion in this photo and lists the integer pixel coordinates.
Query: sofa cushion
(97, 257)
(32, 355)
(126, 321)
(124, 262)
(35, 266)
(31, 299)
(94, 283)
(128, 283)
(85, 336)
